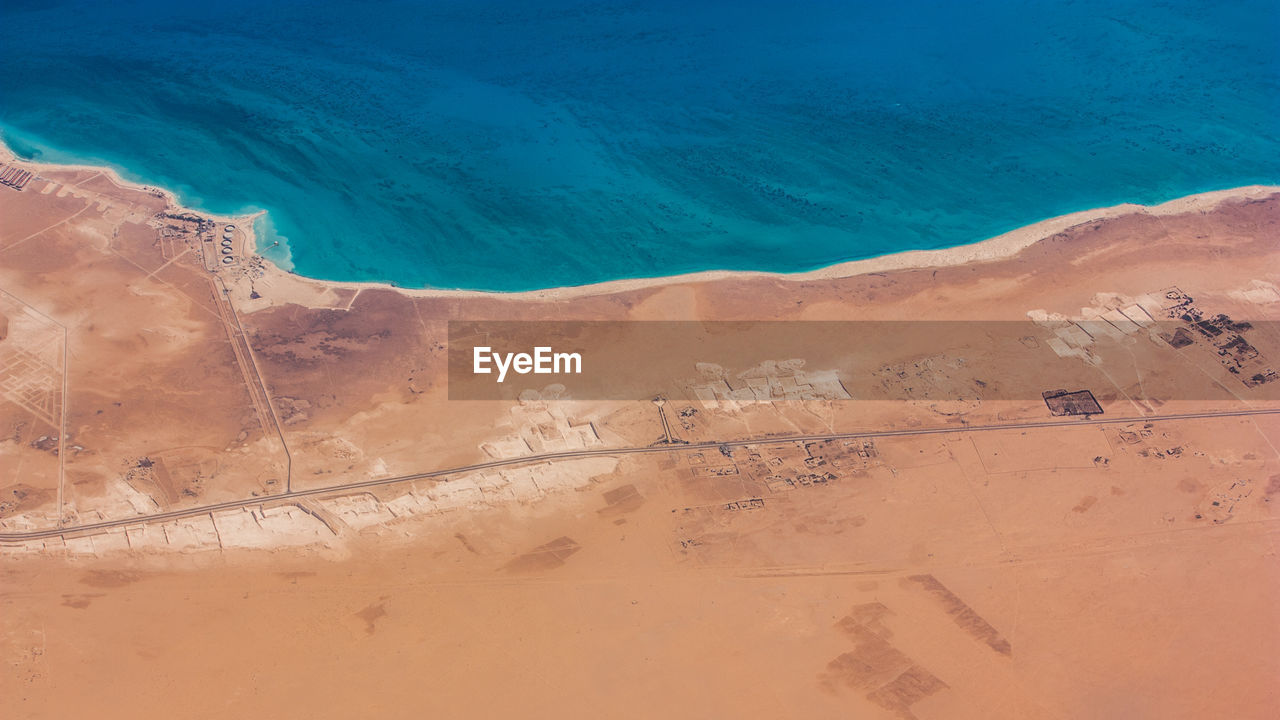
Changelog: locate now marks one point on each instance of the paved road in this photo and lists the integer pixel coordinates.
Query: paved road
(605, 452)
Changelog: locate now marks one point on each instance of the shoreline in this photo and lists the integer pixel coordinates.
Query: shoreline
(999, 247)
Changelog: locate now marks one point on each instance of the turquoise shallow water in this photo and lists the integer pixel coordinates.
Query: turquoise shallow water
(519, 145)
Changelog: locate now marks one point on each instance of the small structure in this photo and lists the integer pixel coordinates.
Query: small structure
(15, 177)
(1179, 339)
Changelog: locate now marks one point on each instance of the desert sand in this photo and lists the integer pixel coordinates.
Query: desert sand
(226, 490)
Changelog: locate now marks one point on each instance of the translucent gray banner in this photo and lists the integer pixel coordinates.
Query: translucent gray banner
(1064, 362)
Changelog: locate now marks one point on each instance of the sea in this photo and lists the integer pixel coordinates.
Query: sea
(512, 145)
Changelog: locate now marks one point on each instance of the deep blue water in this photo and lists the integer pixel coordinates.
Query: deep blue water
(524, 144)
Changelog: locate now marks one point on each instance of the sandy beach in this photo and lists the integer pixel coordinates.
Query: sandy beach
(621, 361)
(249, 489)
(292, 288)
